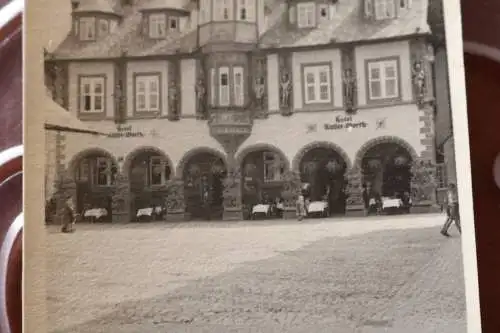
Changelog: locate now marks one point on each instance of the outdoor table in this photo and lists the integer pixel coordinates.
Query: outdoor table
(95, 213)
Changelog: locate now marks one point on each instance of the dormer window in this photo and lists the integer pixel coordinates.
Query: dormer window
(246, 10)
(385, 9)
(87, 28)
(103, 27)
(323, 11)
(157, 25)
(223, 10)
(173, 23)
(306, 15)
(405, 4)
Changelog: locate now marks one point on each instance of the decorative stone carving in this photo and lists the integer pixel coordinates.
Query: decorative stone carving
(285, 92)
(354, 192)
(233, 209)
(120, 199)
(291, 190)
(260, 93)
(350, 89)
(423, 183)
(419, 81)
(175, 201)
(173, 101)
(201, 98)
(120, 102)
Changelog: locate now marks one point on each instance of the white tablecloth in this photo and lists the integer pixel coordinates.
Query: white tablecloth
(261, 209)
(317, 207)
(95, 212)
(391, 203)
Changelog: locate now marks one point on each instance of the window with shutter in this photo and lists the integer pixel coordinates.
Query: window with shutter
(317, 83)
(238, 86)
(224, 86)
(306, 15)
(147, 93)
(383, 79)
(92, 94)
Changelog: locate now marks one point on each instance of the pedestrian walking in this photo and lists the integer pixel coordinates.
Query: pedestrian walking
(452, 211)
(301, 207)
(68, 217)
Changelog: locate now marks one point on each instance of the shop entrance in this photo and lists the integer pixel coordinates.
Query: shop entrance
(94, 176)
(322, 170)
(387, 171)
(203, 176)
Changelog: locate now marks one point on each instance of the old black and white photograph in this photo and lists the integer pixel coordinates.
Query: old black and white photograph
(266, 166)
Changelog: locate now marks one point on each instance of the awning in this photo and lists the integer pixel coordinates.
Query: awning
(58, 119)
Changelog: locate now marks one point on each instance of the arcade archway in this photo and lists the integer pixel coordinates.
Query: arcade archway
(94, 172)
(322, 168)
(203, 173)
(262, 169)
(148, 170)
(386, 169)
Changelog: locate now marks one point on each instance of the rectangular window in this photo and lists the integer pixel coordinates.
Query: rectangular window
(239, 92)
(213, 84)
(102, 172)
(157, 174)
(306, 15)
(223, 10)
(317, 83)
(224, 86)
(205, 11)
(385, 9)
(157, 24)
(87, 28)
(383, 79)
(103, 27)
(92, 94)
(173, 23)
(147, 93)
(272, 167)
(246, 10)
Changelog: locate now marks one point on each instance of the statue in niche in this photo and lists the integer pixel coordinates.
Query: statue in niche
(119, 97)
(350, 86)
(419, 79)
(201, 94)
(173, 99)
(285, 89)
(260, 92)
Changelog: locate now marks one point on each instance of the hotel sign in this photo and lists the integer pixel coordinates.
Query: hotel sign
(125, 132)
(345, 123)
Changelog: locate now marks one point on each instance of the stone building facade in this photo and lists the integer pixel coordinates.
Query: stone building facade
(245, 98)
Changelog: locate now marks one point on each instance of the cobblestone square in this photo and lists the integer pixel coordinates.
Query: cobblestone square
(372, 275)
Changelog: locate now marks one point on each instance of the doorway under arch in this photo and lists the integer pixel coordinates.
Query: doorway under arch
(94, 171)
(322, 168)
(262, 169)
(149, 170)
(203, 173)
(386, 170)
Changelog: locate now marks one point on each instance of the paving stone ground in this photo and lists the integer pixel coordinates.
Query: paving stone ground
(389, 274)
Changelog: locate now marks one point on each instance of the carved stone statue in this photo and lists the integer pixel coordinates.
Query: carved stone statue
(260, 92)
(173, 99)
(285, 89)
(201, 98)
(419, 79)
(350, 86)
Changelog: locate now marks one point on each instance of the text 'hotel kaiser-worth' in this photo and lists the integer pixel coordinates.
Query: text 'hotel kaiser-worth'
(244, 101)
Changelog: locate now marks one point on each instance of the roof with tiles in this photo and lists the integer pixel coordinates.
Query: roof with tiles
(347, 25)
(165, 4)
(100, 6)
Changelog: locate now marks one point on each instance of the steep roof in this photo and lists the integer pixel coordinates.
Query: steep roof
(348, 25)
(100, 6)
(165, 4)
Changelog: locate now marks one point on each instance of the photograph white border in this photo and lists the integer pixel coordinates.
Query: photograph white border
(458, 100)
(34, 288)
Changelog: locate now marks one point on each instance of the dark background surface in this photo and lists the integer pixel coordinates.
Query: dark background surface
(481, 24)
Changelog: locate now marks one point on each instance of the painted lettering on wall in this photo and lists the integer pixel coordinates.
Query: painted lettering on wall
(125, 132)
(345, 122)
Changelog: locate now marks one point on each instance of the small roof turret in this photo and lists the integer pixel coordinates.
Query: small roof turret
(94, 6)
(180, 5)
